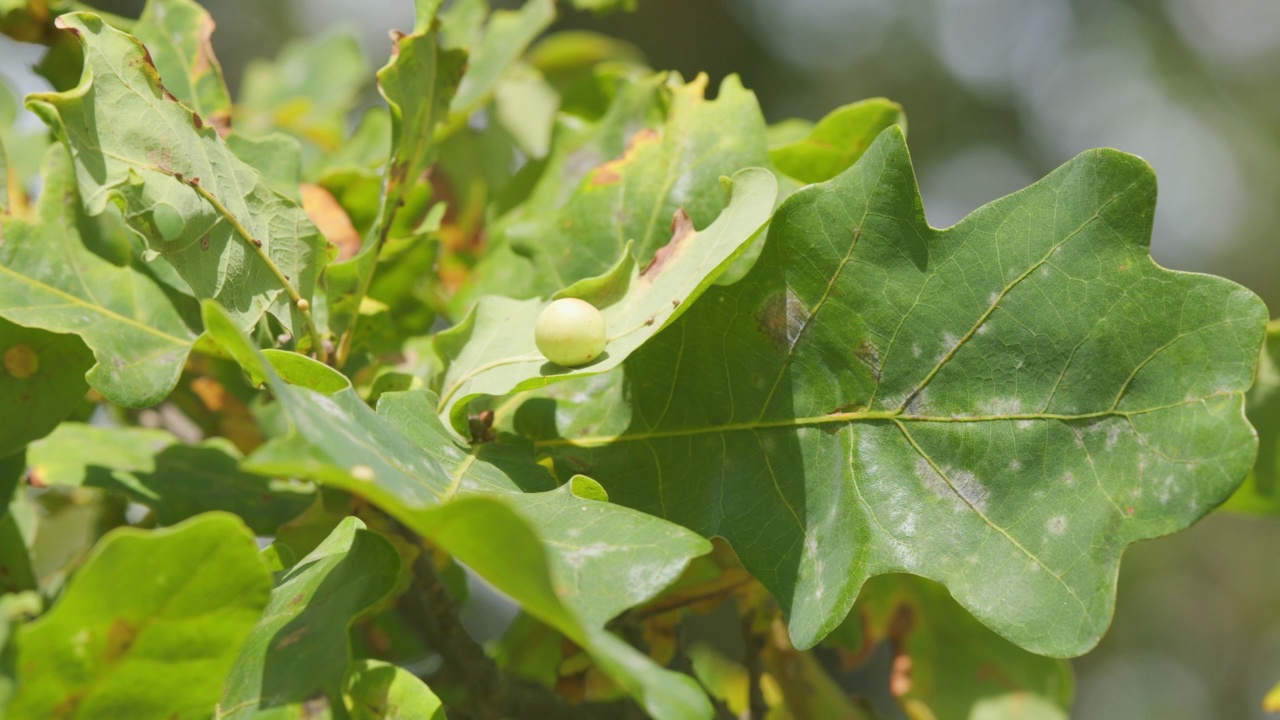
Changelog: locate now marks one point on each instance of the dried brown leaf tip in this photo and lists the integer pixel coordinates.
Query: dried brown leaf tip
(611, 172)
(682, 233)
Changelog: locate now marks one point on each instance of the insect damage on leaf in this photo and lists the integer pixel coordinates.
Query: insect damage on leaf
(611, 172)
(682, 234)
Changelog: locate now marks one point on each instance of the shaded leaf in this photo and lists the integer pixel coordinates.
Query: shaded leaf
(382, 691)
(178, 33)
(42, 382)
(472, 504)
(301, 648)
(178, 184)
(1002, 406)
(837, 140)
(137, 336)
(147, 627)
(177, 481)
(944, 659)
(493, 352)
(1261, 491)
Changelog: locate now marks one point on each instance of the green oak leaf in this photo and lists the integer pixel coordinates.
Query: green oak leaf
(956, 663)
(1260, 493)
(836, 141)
(177, 33)
(418, 84)
(176, 481)
(502, 41)
(475, 504)
(137, 336)
(147, 627)
(1002, 406)
(301, 647)
(41, 381)
(307, 91)
(621, 180)
(381, 691)
(178, 184)
(492, 351)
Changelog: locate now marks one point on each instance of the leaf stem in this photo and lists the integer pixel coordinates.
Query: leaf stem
(299, 302)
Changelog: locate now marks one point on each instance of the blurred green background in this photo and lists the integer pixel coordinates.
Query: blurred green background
(999, 92)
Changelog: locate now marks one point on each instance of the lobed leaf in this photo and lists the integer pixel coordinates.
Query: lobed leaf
(1002, 406)
(492, 352)
(147, 627)
(178, 34)
(137, 336)
(178, 184)
(836, 141)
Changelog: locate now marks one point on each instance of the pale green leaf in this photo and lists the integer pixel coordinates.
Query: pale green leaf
(837, 140)
(177, 33)
(134, 146)
(505, 38)
(492, 352)
(1002, 406)
(137, 336)
(148, 626)
(382, 691)
(300, 648)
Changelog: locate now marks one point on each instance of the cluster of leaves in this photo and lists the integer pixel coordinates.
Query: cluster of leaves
(257, 319)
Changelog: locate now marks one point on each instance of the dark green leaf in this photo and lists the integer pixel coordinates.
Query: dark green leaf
(137, 337)
(42, 382)
(300, 648)
(1002, 406)
(147, 628)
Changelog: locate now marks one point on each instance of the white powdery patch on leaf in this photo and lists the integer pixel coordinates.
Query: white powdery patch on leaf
(961, 487)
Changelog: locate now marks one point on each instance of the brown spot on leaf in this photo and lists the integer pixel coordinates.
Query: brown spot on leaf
(869, 355)
(196, 121)
(682, 233)
(292, 637)
(331, 219)
(120, 637)
(611, 172)
(781, 318)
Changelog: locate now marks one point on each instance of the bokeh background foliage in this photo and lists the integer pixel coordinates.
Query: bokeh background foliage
(998, 94)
